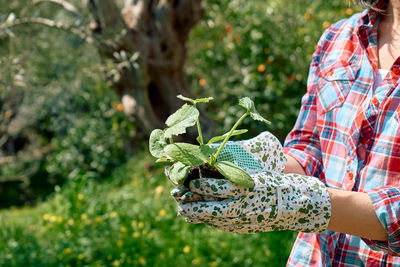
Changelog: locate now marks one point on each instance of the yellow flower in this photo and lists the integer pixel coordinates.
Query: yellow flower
(140, 225)
(88, 221)
(326, 24)
(144, 232)
(159, 189)
(83, 216)
(67, 251)
(80, 196)
(134, 224)
(70, 222)
(98, 219)
(142, 260)
(162, 212)
(120, 243)
(53, 219)
(307, 16)
(113, 214)
(80, 256)
(116, 263)
(223, 244)
(150, 235)
(196, 261)
(60, 219)
(213, 263)
(46, 216)
(186, 249)
(122, 229)
(136, 234)
(349, 11)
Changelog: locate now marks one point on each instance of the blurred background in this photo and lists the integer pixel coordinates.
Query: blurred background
(82, 83)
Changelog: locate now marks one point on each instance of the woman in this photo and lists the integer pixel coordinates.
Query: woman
(347, 135)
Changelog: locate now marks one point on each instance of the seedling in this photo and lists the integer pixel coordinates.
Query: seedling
(188, 158)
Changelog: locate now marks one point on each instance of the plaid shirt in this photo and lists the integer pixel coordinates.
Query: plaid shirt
(348, 135)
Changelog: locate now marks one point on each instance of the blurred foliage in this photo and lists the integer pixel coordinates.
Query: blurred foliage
(260, 49)
(126, 222)
(58, 118)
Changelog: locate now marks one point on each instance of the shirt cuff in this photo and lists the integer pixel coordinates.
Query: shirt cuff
(310, 164)
(386, 202)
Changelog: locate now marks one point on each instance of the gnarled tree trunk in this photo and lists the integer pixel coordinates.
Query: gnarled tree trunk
(145, 41)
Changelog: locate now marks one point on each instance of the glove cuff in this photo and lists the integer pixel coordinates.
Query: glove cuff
(304, 206)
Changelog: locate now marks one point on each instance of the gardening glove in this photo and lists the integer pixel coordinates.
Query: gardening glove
(277, 202)
(263, 152)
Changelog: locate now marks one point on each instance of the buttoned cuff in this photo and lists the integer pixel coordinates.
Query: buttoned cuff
(386, 202)
(310, 164)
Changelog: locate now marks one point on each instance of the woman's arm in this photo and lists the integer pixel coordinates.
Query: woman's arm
(351, 212)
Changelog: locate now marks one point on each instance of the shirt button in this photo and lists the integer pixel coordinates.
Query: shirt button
(351, 176)
(375, 101)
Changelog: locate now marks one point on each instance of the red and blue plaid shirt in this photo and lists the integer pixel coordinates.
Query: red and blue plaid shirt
(348, 135)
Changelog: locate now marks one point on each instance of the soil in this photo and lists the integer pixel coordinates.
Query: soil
(203, 171)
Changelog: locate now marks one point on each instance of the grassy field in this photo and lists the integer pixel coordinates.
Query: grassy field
(126, 220)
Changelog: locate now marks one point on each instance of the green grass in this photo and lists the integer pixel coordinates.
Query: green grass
(127, 220)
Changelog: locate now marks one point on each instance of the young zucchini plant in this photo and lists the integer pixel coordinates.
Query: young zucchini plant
(186, 158)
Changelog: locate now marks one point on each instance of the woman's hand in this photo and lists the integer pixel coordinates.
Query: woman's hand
(277, 202)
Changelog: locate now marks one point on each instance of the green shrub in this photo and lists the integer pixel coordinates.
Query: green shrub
(60, 118)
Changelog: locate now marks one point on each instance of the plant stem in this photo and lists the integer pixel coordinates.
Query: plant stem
(201, 142)
(171, 141)
(227, 138)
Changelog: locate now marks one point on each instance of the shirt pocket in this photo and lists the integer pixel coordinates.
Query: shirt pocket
(334, 83)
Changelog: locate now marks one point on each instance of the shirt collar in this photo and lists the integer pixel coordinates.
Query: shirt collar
(369, 16)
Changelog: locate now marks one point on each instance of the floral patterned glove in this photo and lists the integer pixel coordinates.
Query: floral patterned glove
(277, 202)
(263, 152)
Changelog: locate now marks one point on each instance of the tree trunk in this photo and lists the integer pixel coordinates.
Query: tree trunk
(146, 43)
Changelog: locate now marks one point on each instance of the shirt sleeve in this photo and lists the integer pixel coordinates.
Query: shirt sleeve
(386, 202)
(302, 142)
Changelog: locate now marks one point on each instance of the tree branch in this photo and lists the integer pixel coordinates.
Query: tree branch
(66, 5)
(49, 23)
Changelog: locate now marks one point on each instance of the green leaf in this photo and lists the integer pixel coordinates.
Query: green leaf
(198, 139)
(234, 174)
(204, 100)
(184, 98)
(163, 159)
(157, 143)
(222, 137)
(179, 172)
(183, 118)
(248, 104)
(188, 154)
(207, 151)
(194, 101)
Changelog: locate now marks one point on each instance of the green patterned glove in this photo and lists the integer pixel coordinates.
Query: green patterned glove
(263, 152)
(277, 202)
